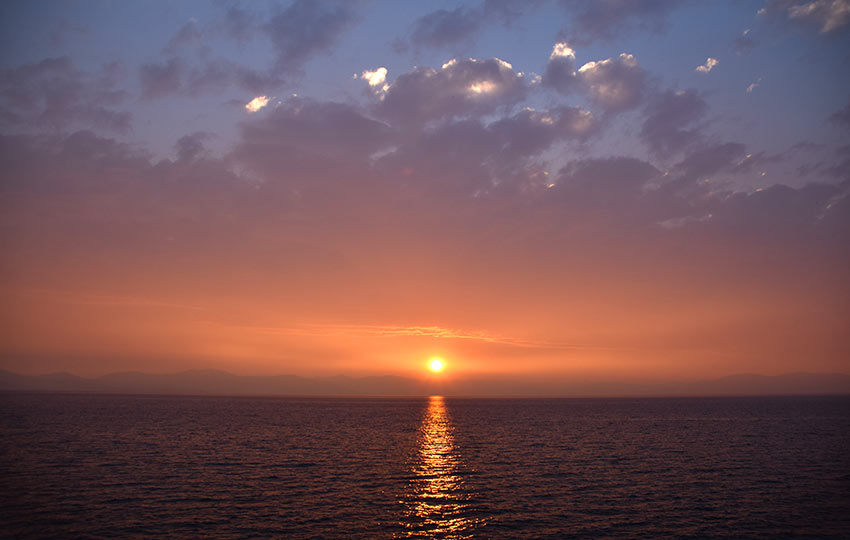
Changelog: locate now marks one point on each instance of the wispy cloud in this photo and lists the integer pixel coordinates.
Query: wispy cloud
(414, 331)
(104, 300)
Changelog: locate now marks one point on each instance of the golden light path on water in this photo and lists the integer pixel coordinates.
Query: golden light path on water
(436, 498)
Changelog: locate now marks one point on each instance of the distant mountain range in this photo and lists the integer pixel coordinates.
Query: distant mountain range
(213, 382)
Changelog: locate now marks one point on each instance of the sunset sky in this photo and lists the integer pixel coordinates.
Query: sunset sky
(653, 189)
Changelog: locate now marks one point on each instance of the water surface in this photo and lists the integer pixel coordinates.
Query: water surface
(100, 466)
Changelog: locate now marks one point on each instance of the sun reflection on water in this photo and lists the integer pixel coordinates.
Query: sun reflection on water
(436, 501)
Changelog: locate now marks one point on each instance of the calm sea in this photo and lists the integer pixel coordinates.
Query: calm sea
(98, 466)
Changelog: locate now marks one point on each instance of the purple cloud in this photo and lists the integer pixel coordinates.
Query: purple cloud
(670, 123)
(841, 117)
(161, 80)
(307, 28)
(827, 16)
(56, 95)
(462, 88)
(561, 69)
(592, 20)
(615, 84)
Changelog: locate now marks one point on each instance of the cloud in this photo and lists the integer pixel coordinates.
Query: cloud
(159, 80)
(444, 28)
(606, 178)
(531, 131)
(377, 80)
(177, 78)
(711, 159)
(708, 66)
(54, 94)
(306, 28)
(461, 87)
(188, 35)
(670, 121)
(256, 104)
(240, 24)
(592, 20)
(561, 69)
(753, 85)
(440, 28)
(63, 29)
(306, 133)
(841, 117)
(299, 32)
(468, 156)
(191, 146)
(615, 84)
(743, 43)
(826, 15)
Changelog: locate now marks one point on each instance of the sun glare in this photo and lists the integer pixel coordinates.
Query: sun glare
(436, 364)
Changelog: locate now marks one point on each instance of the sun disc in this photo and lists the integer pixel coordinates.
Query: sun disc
(436, 365)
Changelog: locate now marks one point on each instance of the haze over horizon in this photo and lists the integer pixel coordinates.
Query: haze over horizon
(543, 190)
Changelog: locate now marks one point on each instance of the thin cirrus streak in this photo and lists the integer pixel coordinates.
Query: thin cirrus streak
(436, 332)
(106, 300)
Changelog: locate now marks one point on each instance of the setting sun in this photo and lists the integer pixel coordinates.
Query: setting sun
(436, 365)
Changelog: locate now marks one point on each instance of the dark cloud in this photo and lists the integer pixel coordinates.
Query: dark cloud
(465, 87)
(531, 131)
(307, 28)
(591, 19)
(191, 146)
(608, 175)
(780, 209)
(561, 69)
(63, 29)
(176, 77)
(444, 28)
(840, 168)
(468, 156)
(94, 166)
(441, 28)
(161, 79)
(240, 24)
(671, 121)
(841, 117)
(54, 94)
(297, 33)
(215, 76)
(706, 161)
(188, 35)
(305, 133)
(743, 43)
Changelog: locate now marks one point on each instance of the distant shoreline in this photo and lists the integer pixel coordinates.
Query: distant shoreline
(223, 384)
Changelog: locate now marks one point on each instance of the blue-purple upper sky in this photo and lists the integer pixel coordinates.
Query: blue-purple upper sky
(780, 69)
(634, 185)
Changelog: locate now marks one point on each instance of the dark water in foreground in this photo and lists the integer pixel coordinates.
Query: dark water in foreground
(95, 466)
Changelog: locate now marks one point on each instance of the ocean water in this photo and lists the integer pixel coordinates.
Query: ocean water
(101, 466)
